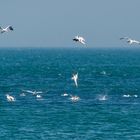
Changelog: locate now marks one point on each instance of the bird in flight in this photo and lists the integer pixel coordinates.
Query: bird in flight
(8, 28)
(75, 78)
(79, 39)
(130, 41)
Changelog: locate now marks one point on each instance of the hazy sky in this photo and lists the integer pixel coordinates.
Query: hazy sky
(49, 23)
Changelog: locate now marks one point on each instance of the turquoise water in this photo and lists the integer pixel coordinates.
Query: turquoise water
(110, 73)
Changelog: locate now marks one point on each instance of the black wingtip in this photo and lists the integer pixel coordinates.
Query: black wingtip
(11, 28)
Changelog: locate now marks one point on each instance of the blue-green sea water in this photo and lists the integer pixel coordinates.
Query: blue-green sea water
(108, 87)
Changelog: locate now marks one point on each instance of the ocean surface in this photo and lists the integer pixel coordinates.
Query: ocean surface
(108, 88)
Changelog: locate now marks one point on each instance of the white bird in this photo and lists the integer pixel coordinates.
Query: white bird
(38, 96)
(130, 41)
(33, 92)
(79, 39)
(126, 95)
(65, 94)
(10, 98)
(75, 78)
(135, 96)
(8, 28)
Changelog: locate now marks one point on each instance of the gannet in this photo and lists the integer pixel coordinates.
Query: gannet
(130, 41)
(75, 78)
(10, 98)
(65, 94)
(38, 96)
(8, 28)
(33, 92)
(79, 39)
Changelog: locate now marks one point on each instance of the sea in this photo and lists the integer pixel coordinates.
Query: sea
(108, 107)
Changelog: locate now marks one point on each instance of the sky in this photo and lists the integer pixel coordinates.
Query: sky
(54, 23)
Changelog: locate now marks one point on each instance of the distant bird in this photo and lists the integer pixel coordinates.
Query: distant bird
(135, 96)
(75, 78)
(38, 96)
(126, 95)
(65, 94)
(79, 39)
(33, 92)
(8, 28)
(10, 98)
(130, 41)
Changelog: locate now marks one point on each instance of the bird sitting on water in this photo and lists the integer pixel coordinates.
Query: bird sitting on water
(10, 98)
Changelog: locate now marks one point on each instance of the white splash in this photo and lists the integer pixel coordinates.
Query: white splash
(74, 98)
(102, 97)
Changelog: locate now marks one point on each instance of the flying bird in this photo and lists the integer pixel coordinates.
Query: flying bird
(8, 28)
(130, 41)
(75, 78)
(79, 39)
(33, 92)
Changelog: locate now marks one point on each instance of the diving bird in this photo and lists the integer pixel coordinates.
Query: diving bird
(79, 39)
(65, 94)
(8, 28)
(10, 98)
(130, 41)
(75, 78)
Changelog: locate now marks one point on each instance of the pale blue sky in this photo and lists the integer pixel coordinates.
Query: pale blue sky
(48, 23)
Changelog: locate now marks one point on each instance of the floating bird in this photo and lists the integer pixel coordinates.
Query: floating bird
(75, 78)
(65, 94)
(126, 95)
(10, 98)
(130, 41)
(135, 96)
(79, 39)
(38, 96)
(75, 98)
(8, 28)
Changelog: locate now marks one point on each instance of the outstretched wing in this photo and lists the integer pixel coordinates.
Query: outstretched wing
(124, 38)
(11, 28)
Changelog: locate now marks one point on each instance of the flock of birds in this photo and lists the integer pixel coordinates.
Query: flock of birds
(77, 38)
(73, 98)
